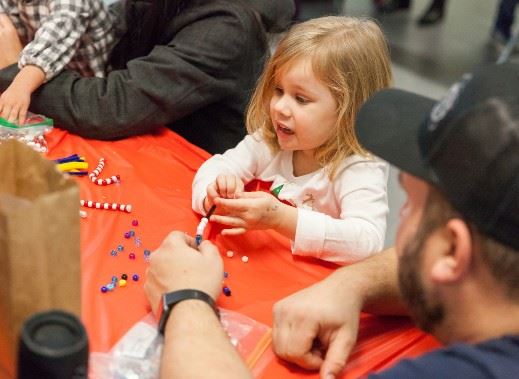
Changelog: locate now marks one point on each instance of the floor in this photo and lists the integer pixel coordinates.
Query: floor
(426, 60)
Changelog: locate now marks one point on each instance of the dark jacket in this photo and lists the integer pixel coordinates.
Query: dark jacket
(197, 80)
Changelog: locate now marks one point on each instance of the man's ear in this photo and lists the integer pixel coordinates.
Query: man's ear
(453, 258)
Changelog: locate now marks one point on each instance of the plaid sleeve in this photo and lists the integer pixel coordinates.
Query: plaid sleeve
(57, 39)
(10, 8)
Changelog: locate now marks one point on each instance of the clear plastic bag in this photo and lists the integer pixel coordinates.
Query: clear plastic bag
(138, 352)
(32, 133)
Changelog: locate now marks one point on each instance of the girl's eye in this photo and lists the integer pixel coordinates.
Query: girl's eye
(278, 90)
(302, 100)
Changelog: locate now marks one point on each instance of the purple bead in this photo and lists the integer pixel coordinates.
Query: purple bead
(132, 233)
(226, 291)
(113, 253)
(127, 235)
(135, 222)
(104, 289)
(225, 274)
(131, 256)
(135, 277)
(120, 247)
(147, 253)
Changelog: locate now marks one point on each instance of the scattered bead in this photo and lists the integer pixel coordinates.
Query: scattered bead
(124, 276)
(82, 214)
(230, 254)
(104, 289)
(110, 286)
(131, 256)
(147, 253)
(135, 222)
(138, 242)
(226, 291)
(132, 233)
(225, 274)
(122, 283)
(245, 259)
(114, 279)
(120, 247)
(113, 253)
(135, 277)
(127, 235)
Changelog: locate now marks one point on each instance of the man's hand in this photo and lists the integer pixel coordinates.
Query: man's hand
(177, 265)
(252, 210)
(9, 41)
(318, 326)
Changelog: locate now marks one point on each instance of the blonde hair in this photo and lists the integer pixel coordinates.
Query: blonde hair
(350, 56)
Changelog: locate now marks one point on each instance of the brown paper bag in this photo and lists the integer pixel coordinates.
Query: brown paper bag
(39, 240)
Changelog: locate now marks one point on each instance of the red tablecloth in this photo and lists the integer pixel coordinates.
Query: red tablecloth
(156, 174)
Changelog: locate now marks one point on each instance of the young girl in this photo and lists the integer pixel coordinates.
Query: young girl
(77, 34)
(328, 195)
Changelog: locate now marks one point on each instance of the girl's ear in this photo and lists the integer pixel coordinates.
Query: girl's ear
(454, 256)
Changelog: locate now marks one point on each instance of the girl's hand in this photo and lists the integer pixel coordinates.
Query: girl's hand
(255, 210)
(14, 103)
(225, 186)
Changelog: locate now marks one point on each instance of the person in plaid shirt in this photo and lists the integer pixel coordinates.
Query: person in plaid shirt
(57, 34)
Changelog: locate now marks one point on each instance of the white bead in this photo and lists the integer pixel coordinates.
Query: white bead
(90, 204)
(82, 214)
(106, 206)
(129, 208)
(114, 206)
(98, 205)
(245, 259)
(230, 254)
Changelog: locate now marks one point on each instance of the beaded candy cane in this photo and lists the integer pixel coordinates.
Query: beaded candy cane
(108, 206)
(102, 182)
(201, 226)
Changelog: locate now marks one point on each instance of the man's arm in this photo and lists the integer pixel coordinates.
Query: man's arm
(198, 67)
(329, 311)
(195, 343)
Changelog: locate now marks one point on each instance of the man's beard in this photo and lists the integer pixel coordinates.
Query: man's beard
(425, 310)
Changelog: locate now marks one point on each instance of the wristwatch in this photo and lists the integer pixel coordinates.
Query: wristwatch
(170, 299)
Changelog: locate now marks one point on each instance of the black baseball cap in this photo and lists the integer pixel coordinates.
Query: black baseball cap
(467, 144)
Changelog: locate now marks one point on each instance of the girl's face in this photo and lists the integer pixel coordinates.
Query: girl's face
(302, 108)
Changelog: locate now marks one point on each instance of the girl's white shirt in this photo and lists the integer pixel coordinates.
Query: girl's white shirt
(341, 221)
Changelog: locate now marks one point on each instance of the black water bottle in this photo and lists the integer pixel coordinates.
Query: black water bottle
(53, 345)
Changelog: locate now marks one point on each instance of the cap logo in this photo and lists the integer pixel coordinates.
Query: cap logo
(443, 107)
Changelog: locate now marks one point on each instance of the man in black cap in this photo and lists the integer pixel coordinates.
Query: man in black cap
(455, 267)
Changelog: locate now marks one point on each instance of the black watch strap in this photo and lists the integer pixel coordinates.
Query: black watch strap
(170, 299)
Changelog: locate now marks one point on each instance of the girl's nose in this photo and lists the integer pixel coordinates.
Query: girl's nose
(281, 105)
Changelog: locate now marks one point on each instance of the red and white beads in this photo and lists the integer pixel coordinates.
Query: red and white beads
(97, 171)
(107, 206)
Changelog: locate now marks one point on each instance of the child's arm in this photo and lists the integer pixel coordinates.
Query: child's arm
(14, 102)
(57, 39)
(361, 192)
(241, 163)
(10, 8)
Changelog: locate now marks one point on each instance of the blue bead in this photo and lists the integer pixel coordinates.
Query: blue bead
(132, 233)
(226, 291)
(110, 286)
(114, 279)
(225, 274)
(147, 253)
(135, 277)
(198, 239)
(120, 247)
(104, 289)
(113, 253)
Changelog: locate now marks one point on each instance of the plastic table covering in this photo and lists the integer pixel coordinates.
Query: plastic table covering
(156, 173)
